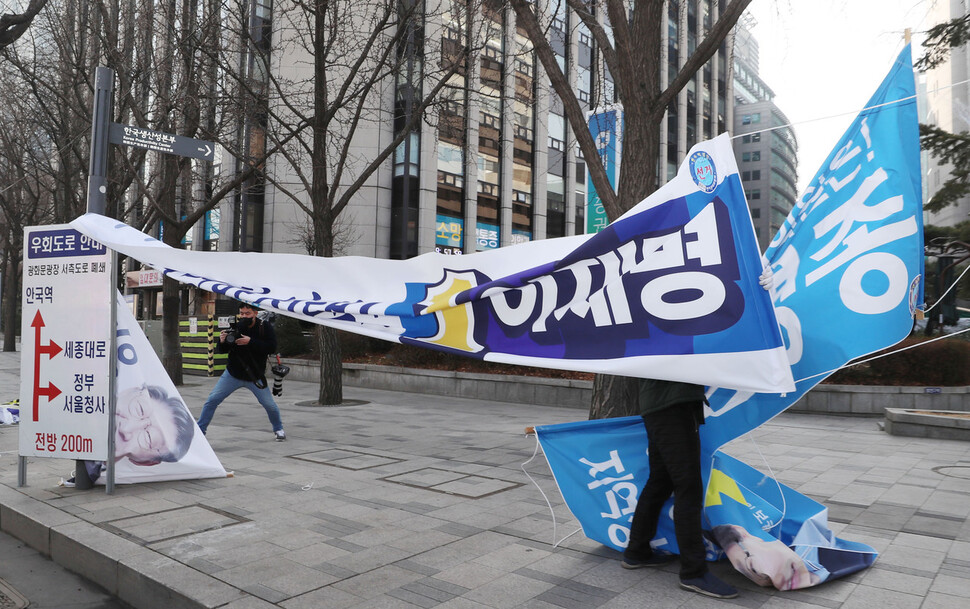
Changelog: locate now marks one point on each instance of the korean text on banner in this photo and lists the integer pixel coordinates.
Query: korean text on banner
(848, 261)
(669, 290)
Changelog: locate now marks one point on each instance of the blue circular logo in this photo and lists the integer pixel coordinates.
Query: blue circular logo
(914, 295)
(703, 171)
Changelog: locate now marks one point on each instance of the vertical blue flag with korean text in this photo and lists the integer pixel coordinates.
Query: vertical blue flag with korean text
(848, 269)
(848, 261)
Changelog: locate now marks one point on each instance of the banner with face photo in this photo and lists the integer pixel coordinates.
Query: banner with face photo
(670, 290)
(771, 533)
(156, 437)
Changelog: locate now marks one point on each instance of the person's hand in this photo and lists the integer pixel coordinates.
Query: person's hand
(242, 341)
(222, 336)
(767, 278)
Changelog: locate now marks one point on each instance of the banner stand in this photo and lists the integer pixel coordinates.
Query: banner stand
(109, 483)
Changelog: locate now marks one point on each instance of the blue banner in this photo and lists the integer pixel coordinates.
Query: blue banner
(848, 262)
(848, 269)
(771, 533)
(606, 126)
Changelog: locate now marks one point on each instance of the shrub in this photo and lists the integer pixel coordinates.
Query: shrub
(357, 345)
(289, 337)
(939, 363)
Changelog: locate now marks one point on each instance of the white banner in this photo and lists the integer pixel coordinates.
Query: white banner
(668, 291)
(156, 437)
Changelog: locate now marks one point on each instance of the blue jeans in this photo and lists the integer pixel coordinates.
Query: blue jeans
(226, 385)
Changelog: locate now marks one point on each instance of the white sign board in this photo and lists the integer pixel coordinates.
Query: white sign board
(65, 345)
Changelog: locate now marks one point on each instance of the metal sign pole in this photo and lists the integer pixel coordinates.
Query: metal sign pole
(100, 119)
(109, 483)
(97, 203)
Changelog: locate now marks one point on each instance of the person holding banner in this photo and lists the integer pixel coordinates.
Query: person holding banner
(672, 413)
(248, 343)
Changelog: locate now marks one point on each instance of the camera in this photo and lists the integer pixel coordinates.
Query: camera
(232, 334)
(279, 372)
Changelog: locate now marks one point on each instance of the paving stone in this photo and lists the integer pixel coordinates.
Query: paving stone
(343, 530)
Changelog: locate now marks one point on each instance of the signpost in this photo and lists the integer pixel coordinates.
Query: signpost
(127, 135)
(66, 357)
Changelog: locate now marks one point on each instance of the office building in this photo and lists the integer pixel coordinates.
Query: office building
(765, 145)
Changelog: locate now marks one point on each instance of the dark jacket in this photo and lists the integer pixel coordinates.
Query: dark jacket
(248, 362)
(656, 395)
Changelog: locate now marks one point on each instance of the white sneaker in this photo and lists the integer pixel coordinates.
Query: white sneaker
(280, 436)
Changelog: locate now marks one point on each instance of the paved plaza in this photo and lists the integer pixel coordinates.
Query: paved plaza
(404, 500)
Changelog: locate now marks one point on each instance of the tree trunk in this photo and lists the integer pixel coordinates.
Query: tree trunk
(331, 367)
(613, 396)
(11, 290)
(171, 350)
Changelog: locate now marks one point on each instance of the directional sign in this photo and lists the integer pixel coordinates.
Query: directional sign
(65, 347)
(127, 135)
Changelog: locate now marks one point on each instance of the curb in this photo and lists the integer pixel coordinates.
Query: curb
(134, 574)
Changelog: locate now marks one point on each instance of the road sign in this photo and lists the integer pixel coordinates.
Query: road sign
(66, 345)
(127, 135)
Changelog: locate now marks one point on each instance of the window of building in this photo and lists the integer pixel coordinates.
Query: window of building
(557, 132)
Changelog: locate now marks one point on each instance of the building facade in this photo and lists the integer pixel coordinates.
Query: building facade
(497, 164)
(945, 103)
(764, 144)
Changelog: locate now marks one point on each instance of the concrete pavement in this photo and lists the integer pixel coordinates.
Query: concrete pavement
(406, 500)
(28, 579)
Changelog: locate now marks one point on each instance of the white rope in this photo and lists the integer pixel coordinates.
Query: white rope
(771, 474)
(849, 113)
(555, 544)
(875, 357)
(952, 285)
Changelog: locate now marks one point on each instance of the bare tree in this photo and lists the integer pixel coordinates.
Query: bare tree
(628, 37)
(14, 25)
(356, 55)
(26, 160)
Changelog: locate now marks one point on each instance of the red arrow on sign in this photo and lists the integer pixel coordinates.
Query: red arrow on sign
(50, 349)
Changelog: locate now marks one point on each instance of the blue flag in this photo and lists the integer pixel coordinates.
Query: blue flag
(848, 269)
(848, 261)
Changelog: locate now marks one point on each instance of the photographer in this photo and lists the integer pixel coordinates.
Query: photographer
(247, 342)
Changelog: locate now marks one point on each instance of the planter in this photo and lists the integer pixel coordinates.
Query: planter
(499, 387)
(856, 400)
(936, 424)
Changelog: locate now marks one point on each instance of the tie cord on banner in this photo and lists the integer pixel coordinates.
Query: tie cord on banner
(875, 357)
(555, 544)
(850, 113)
